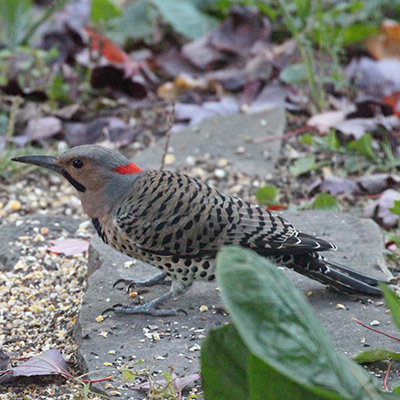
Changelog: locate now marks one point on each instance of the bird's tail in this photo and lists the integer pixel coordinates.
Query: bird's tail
(335, 275)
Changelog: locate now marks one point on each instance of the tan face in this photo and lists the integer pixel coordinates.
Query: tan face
(84, 171)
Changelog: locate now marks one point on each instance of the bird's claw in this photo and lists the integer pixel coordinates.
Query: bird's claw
(122, 280)
(143, 309)
(113, 308)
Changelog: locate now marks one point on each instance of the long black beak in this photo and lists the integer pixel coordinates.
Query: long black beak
(41, 161)
(52, 164)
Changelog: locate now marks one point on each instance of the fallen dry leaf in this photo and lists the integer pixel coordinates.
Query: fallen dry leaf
(379, 209)
(50, 362)
(68, 247)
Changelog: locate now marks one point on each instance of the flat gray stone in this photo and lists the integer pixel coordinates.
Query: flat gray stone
(130, 337)
(10, 251)
(221, 137)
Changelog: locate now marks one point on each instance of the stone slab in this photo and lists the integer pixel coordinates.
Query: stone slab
(130, 337)
(221, 137)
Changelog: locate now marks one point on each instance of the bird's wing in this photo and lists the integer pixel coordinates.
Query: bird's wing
(170, 213)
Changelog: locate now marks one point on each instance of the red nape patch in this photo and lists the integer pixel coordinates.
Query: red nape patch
(127, 169)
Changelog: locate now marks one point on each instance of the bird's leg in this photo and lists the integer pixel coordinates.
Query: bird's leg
(159, 278)
(151, 308)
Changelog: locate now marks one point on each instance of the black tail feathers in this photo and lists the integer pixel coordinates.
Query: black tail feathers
(334, 275)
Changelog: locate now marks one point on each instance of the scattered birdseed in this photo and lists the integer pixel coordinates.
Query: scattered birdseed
(374, 323)
(169, 159)
(196, 347)
(100, 318)
(340, 306)
(203, 308)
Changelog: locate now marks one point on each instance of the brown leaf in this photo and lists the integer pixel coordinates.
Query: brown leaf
(235, 36)
(68, 247)
(379, 210)
(43, 128)
(179, 383)
(50, 362)
(387, 43)
(333, 185)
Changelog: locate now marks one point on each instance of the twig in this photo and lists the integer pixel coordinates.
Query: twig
(168, 135)
(375, 330)
(387, 375)
(385, 269)
(13, 115)
(287, 135)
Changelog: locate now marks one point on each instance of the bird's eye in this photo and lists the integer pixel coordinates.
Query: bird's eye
(77, 164)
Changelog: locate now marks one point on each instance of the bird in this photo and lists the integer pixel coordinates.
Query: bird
(177, 224)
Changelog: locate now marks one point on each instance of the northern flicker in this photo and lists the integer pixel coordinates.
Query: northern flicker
(177, 224)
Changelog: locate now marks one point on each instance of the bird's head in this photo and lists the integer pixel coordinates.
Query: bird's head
(100, 175)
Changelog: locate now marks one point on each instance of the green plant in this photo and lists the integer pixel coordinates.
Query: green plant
(267, 195)
(18, 23)
(379, 354)
(360, 154)
(320, 28)
(275, 347)
(324, 201)
(159, 389)
(140, 18)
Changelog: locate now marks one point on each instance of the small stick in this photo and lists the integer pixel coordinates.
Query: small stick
(375, 330)
(168, 135)
(387, 375)
(287, 135)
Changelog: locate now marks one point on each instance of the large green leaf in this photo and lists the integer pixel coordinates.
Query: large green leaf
(137, 22)
(266, 383)
(392, 303)
(184, 17)
(15, 17)
(224, 365)
(231, 372)
(373, 355)
(278, 326)
(103, 10)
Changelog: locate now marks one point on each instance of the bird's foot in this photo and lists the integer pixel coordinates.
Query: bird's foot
(131, 283)
(146, 309)
(150, 308)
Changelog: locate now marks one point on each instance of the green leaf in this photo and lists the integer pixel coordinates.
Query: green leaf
(128, 376)
(373, 355)
(332, 141)
(392, 303)
(278, 326)
(103, 10)
(294, 73)
(324, 201)
(184, 17)
(15, 18)
(396, 387)
(307, 139)
(396, 208)
(358, 33)
(224, 364)
(363, 146)
(267, 195)
(303, 165)
(135, 23)
(277, 386)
